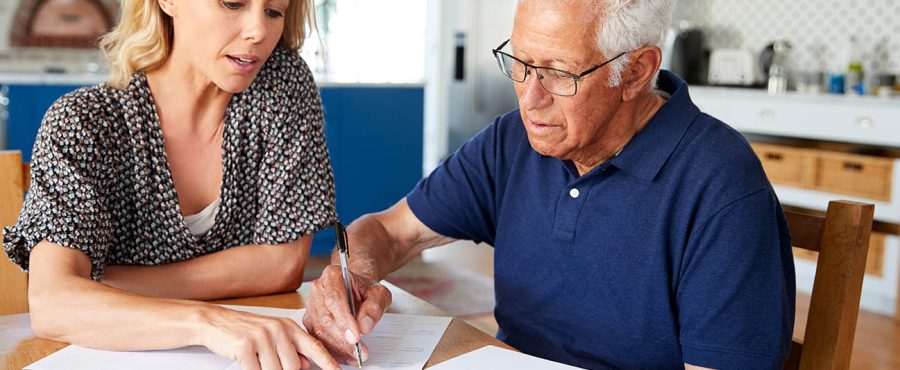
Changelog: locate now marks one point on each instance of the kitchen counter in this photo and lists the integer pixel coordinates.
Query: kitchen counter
(792, 96)
(51, 78)
(864, 120)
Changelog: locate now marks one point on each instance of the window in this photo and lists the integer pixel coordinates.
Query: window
(369, 41)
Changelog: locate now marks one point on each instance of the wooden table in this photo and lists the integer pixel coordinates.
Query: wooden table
(19, 347)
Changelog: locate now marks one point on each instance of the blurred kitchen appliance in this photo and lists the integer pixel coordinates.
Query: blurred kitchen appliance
(734, 67)
(684, 54)
(62, 23)
(778, 70)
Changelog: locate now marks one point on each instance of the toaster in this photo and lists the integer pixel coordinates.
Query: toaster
(734, 67)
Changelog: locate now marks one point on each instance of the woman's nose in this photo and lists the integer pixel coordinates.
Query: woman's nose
(254, 28)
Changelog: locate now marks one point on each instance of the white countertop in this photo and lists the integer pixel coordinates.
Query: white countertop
(791, 96)
(51, 78)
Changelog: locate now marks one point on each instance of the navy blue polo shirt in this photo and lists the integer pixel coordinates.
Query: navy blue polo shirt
(675, 251)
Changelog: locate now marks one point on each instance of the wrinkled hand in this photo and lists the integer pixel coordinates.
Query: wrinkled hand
(328, 315)
(261, 343)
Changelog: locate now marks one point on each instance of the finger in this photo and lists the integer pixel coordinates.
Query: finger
(268, 358)
(304, 363)
(377, 301)
(363, 352)
(248, 361)
(330, 334)
(335, 301)
(319, 321)
(286, 351)
(315, 351)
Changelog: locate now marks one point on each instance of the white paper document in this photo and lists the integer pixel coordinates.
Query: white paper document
(402, 342)
(496, 358)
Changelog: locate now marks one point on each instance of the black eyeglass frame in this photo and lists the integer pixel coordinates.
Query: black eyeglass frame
(575, 77)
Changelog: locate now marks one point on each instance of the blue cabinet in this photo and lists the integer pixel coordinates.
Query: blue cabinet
(374, 135)
(27, 105)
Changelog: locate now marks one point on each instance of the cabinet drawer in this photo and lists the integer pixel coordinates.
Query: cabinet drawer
(874, 259)
(853, 174)
(785, 165)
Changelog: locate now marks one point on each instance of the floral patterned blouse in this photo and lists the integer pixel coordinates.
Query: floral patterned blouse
(101, 181)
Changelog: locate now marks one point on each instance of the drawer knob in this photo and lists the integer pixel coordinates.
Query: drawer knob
(853, 166)
(864, 122)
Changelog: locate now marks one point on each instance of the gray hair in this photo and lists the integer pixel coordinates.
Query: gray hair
(627, 25)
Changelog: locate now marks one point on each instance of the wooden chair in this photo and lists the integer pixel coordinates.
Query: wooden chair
(842, 239)
(14, 181)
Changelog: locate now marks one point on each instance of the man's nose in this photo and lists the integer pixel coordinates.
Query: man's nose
(534, 96)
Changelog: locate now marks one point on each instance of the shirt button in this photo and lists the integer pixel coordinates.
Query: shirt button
(574, 193)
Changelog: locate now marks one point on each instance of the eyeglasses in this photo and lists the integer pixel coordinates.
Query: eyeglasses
(555, 81)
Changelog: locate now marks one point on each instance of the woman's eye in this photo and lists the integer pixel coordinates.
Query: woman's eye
(232, 5)
(272, 13)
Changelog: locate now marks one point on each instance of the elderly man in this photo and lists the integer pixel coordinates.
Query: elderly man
(630, 229)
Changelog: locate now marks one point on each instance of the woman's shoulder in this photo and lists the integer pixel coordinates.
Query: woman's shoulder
(84, 116)
(85, 105)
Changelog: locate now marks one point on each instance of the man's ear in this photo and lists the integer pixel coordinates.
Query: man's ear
(640, 71)
(167, 6)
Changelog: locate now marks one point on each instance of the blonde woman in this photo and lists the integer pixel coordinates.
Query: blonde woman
(199, 171)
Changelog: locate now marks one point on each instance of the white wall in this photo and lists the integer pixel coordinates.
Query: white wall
(817, 29)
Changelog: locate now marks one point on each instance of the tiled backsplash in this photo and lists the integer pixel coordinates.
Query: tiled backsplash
(818, 30)
(16, 59)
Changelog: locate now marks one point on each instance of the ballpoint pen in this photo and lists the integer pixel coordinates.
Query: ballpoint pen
(340, 234)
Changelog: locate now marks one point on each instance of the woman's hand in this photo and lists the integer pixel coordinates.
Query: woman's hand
(260, 342)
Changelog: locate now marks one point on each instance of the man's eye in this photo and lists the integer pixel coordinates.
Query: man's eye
(232, 5)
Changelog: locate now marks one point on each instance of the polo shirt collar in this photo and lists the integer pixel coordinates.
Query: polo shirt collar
(645, 155)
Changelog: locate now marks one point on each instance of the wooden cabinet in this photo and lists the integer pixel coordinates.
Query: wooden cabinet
(851, 174)
(787, 165)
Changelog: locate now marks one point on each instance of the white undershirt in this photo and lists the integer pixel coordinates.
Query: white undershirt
(201, 222)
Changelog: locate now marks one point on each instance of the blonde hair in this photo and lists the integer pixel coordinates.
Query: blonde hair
(142, 41)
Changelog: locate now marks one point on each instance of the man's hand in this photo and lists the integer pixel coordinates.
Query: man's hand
(328, 314)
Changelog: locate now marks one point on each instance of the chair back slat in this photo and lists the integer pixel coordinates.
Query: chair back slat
(842, 238)
(13, 282)
(806, 229)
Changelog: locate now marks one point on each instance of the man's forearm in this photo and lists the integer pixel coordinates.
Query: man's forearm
(373, 252)
(235, 272)
(383, 242)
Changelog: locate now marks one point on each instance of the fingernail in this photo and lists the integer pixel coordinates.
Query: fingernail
(367, 324)
(348, 335)
(365, 354)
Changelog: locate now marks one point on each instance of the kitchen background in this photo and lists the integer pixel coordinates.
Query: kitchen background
(818, 30)
(405, 82)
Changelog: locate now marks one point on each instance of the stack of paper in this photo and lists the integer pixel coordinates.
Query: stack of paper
(402, 342)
